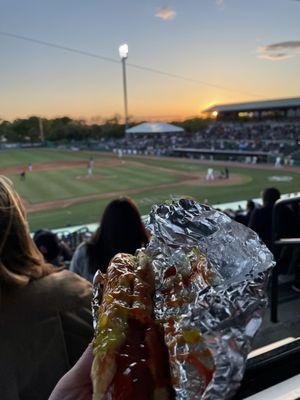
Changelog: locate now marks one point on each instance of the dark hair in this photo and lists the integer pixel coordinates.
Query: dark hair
(48, 244)
(250, 205)
(121, 230)
(270, 196)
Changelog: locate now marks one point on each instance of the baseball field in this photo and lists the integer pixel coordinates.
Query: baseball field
(58, 192)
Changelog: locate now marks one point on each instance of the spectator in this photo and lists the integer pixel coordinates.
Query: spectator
(121, 230)
(66, 252)
(226, 173)
(54, 250)
(45, 318)
(245, 218)
(261, 218)
(48, 244)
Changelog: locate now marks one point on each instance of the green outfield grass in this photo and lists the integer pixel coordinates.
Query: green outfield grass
(42, 186)
(136, 174)
(22, 158)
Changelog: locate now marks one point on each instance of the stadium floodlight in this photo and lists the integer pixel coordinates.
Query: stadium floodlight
(123, 51)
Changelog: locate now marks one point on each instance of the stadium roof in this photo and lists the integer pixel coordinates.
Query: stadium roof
(257, 105)
(154, 127)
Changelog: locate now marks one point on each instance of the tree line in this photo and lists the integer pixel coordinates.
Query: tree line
(65, 129)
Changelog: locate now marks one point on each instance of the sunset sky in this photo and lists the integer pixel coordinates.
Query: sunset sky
(242, 51)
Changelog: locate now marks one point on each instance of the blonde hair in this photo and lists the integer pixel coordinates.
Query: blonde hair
(20, 260)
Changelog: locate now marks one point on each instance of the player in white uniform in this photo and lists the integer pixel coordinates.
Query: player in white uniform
(90, 166)
(210, 174)
(278, 162)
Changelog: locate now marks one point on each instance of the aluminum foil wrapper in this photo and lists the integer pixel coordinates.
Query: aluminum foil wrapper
(211, 277)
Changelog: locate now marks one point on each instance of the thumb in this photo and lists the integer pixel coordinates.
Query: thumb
(77, 382)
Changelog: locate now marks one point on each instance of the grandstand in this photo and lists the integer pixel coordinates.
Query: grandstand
(259, 131)
(267, 109)
(238, 141)
(224, 140)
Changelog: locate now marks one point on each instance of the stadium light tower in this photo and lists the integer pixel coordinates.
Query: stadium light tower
(123, 51)
(41, 128)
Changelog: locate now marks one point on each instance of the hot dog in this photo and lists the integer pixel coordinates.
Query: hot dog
(130, 357)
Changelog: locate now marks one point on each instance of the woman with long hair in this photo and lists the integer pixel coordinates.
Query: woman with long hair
(20, 260)
(45, 319)
(121, 231)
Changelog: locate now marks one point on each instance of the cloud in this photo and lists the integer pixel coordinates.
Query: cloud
(165, 13)
(290, 45)
(279, 51)
(275, 56)
(220, 3)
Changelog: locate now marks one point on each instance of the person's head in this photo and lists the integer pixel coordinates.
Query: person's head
(121, 230)
(20, 260)
(250, 205)
(48, 244)
(270, 196)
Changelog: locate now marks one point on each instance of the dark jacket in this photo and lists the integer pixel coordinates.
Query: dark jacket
(44, 328)
(261, 223)
(286, 224)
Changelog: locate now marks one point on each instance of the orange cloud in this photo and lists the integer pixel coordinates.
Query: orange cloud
(165, 13)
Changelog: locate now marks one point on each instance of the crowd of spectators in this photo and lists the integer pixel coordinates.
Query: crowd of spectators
(270, 137)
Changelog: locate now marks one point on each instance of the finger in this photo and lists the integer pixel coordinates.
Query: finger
(82, 368)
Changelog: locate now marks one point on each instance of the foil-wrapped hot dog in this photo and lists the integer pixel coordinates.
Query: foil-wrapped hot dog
(130, 357)
(192, 300)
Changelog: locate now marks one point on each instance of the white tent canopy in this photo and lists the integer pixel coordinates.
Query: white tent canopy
(155, 127)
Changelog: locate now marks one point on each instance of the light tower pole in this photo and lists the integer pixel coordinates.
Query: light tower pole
(41, 130)
(123, 51)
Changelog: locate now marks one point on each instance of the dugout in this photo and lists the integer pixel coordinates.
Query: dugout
(232, 155)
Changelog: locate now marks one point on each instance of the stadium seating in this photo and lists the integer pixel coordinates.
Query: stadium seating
(270, 137)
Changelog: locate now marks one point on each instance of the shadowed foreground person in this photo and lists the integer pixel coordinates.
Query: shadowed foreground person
(261, 218)
(45, 318)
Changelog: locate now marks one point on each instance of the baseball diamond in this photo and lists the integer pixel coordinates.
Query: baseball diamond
(58, 191)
